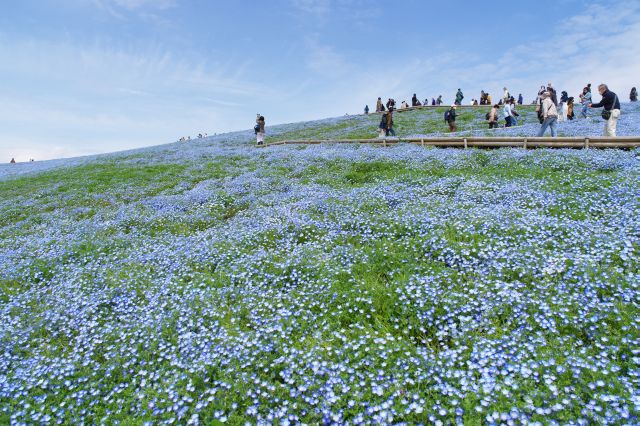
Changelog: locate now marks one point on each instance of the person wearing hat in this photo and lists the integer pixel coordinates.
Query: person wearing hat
(450, 118)
(549, 115)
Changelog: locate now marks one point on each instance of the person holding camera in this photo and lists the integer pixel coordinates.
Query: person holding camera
(611, 111)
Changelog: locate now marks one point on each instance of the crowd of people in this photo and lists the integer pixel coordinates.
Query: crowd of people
(550, 110)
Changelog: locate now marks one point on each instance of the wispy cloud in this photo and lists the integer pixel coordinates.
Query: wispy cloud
(92, 96)
(147, 10)
(318, 9)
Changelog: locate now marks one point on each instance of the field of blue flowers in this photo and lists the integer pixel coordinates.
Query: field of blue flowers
(211, 282)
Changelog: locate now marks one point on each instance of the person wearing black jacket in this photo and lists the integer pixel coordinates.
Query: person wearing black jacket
(611, 105)
(633, 96)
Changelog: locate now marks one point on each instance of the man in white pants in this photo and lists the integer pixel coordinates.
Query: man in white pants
(610, 103)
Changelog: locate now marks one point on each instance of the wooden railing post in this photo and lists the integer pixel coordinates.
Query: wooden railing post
(586, 143)
(465, 143)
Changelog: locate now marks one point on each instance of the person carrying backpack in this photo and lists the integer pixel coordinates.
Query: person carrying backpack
(382, 127)
(450, 118)
(549, 114)
(611, 112)
(386, 124)
(492, 117)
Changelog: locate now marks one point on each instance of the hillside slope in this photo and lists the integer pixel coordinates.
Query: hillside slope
(210, 282)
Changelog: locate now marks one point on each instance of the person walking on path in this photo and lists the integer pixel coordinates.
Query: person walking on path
(450, 118)
(514, 113)
(506, 112)
(386, 124)
(259, 129)
(611, 112)
(439, 100)
(459, 97)
(633, 96)
(585, 100)
(382, 127)
(492, 117)
(390, 130)
(549, 115)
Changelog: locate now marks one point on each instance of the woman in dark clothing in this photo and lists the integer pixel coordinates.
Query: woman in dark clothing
(633, 96)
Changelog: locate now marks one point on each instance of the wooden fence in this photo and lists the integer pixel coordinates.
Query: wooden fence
(484, 142)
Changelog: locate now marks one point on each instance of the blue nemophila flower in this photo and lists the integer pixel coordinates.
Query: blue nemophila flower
(298, 285)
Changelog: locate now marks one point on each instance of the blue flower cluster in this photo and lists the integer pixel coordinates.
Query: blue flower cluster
(323, 284)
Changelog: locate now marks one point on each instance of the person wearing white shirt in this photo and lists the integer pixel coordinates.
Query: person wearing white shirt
(506, 112)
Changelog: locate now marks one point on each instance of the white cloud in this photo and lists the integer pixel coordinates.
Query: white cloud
(147, 10)
(325, 60)
(101, 98)
(136, 4)
(598, 44)
(318, 9)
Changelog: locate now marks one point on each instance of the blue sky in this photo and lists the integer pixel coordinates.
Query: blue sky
(89, 76)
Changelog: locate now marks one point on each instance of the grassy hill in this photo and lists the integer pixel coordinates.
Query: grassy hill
(211, 282)
(430, 122)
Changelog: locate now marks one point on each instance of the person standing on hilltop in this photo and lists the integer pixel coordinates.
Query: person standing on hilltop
(379, 105)
(414, 100)
(520, 99)
(611, 113)
(506, 96)
(13, 161)
(633, 96)
(366, 110)
(260, 129)
(439, 100)
(459, 97)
